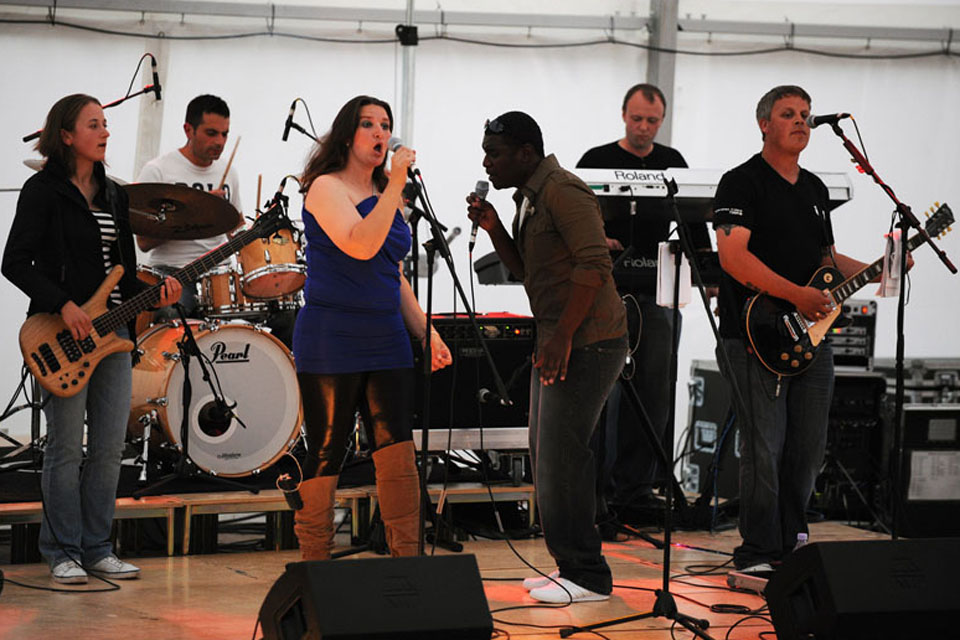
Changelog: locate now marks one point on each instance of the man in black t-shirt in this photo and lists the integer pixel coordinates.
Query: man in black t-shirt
(628, 460)
(773, 230)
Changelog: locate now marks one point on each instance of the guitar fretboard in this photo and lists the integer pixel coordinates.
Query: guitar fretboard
(857, 281)
(119, 316)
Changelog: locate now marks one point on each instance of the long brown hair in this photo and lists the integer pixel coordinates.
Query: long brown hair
(62, 117)
(333, 150)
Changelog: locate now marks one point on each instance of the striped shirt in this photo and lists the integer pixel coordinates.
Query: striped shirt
(108, 237)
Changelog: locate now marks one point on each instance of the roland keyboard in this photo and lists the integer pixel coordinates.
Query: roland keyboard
(694, 186)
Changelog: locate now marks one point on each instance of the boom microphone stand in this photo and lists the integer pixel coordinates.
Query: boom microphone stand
(907, 220)
(438, 244)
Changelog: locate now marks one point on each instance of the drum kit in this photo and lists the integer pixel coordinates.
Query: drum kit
(249, 414)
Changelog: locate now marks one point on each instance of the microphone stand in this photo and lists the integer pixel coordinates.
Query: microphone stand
(665, 606)
(294, 125)
(906, 220)
(438, 243)
(146, 89)
(188, 348)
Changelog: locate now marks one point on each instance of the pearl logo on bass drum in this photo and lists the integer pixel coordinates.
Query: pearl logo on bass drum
(219, 353)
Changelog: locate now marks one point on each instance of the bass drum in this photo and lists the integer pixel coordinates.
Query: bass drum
(255, 372)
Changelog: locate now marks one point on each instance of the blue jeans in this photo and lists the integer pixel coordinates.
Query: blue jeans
(79, 493)
(781, 450)
(629, 459)
(563, 416)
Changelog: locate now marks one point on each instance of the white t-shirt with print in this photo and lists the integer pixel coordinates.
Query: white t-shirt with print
(175, 168)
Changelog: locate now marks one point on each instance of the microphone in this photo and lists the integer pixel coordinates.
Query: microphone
(482, 188)
(486, 396)
(279, 194)
(289, 122)
(215, 418)
(395, 143)
(831, 118)
(156, 78)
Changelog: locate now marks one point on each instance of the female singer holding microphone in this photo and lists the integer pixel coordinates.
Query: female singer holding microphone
(71, 227)
(352, 338)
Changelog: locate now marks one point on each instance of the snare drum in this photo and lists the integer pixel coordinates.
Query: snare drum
(270, 266)
(222, 297)
(254, 370)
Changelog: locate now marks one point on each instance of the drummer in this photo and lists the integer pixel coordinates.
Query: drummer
(196, 164)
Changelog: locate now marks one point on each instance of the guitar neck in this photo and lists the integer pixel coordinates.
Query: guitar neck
(857, 281)
(119, 316)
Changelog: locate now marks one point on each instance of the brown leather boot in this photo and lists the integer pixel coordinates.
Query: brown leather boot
(314, 523)
(398, 489)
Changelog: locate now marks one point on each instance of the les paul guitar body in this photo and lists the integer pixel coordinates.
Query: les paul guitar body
(783, 340)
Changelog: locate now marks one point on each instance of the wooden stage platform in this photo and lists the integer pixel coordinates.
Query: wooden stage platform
(209, 597)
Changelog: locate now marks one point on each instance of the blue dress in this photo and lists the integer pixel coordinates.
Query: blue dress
(351, 320)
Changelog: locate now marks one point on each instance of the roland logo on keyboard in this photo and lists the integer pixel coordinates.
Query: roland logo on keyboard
(639, 263)
(637, 175)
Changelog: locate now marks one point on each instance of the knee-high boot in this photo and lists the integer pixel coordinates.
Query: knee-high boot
(313, 524)
(398, 489)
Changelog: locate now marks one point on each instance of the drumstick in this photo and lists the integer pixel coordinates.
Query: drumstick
(259, 184)
(229, 162)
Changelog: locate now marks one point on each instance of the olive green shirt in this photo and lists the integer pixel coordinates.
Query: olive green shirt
(561, 241)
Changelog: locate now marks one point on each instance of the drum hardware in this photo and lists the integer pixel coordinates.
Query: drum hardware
(188, 349)
(147, 421)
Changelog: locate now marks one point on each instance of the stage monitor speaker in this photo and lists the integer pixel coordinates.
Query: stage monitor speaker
(511, 341)
(427, 598)
(867, 590)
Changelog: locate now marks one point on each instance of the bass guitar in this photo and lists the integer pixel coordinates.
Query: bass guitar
(786, 342)
(63, 365)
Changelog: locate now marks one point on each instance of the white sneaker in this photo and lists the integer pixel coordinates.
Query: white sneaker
(536, 582)
(761, 569)
(113, 567)
(565, 592)
(69, 572)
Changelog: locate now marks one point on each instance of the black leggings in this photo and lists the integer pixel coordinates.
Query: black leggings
(330, 403)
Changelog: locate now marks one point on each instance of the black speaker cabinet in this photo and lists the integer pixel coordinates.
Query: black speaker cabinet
(428, 598)
(867, 590)
(455, 390)
(929, 496)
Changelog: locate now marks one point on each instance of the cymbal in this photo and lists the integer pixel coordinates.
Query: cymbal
(37, 164)
(177, 212)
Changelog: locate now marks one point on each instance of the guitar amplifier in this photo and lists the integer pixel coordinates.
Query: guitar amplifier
(853, 344)
(455, 391)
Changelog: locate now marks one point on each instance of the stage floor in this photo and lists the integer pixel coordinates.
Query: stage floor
(211, 597)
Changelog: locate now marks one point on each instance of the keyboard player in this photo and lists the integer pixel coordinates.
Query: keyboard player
(629, 465)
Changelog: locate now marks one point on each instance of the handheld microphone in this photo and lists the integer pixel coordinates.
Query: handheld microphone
(289, 123)
(156, 78)
(395, 143)
(815, 121)
(482, 188)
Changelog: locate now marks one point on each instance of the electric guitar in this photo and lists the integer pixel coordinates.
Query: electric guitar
(786, 342)
(63, 365)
